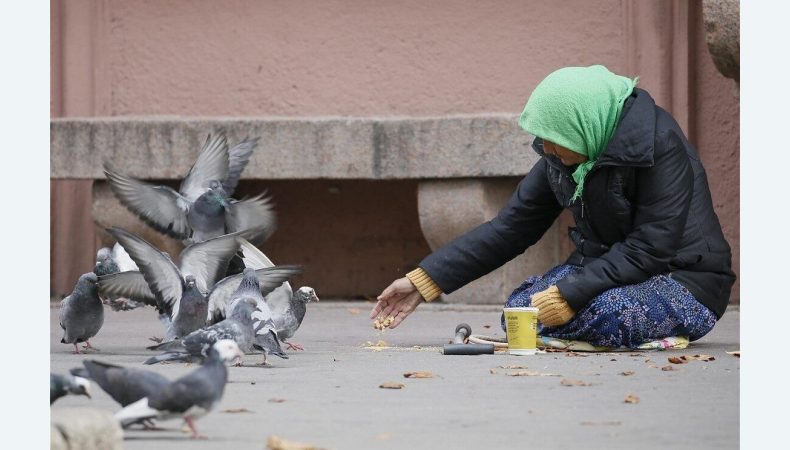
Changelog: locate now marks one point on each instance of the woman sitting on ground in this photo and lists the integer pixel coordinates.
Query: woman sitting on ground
(650, 261)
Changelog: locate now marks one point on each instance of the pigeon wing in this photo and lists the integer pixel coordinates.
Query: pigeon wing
(159, 206)
(269, 279)
(163, 277)
(238, 156)
(211, 165)
(194, 389)
(208, 261)
(130, 284)
(280, 298)
(122, 259)
(255, 214)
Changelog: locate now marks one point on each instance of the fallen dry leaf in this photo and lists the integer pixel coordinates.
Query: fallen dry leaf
(568, 382)
(418, 375)
(278, 443)
(698, 357)
(736, 353)
(676, 360)
(276, 400)
(653, 366)
(529, 373)
(631, 398)
(486, 326)
(236, 410)
(492, 371)
(627, 373)
(668, 368)
(513, 367)
(391, 385)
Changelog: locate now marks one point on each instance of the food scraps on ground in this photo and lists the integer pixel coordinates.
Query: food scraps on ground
(683, 359)
(513, 367)
(376, 347)
(391, 385)
(418, 374)
(627, 373)
(668, 368)
(278, 443)
(569, 382)
(529, 373)
(631, 398)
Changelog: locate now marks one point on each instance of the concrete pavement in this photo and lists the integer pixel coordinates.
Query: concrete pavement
(328, 395)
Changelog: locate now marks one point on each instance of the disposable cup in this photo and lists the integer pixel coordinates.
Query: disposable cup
(521, 326)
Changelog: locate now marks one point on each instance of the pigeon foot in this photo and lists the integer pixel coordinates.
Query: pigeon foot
(294, 346)
(76, 350)
(89, 346)
(191, 424)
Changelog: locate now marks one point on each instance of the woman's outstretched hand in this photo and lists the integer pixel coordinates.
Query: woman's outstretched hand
(398, 300)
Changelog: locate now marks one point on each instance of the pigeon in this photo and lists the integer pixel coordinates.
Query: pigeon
(202, 208)
(82, 313)
(288, 309)
(109, 261)
(124, 385)
(245, 323)
(189, 397)
(62, 385)
(178, 293)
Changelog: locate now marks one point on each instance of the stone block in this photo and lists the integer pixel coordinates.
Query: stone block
(449, 208)
(85, 429)
(722, 33)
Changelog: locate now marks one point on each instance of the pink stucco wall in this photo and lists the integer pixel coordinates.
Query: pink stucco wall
(362, 58)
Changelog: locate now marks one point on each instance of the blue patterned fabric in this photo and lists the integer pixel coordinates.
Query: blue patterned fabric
(625, 316)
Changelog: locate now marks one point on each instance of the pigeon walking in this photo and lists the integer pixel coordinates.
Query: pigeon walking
(202, 208)
(244, 323)
(124, 385)
(189, 397)
(288, 309)
(82, 313)
(61, 385)
(178, 293)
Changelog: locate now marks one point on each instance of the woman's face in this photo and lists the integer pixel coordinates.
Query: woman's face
(567, 157)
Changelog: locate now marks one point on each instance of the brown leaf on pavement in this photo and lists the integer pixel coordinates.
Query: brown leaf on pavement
(278, 443)
(677, 360)
(568, 382)
(418, 375)
(391, 385)
(529, 373)
(627, 373)
(492, 371)
(631, 398)
(698, 358)
(736, 353)
(276, 400)
(668, 368)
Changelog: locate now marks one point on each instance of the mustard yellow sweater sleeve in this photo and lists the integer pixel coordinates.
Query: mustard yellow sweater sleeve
(427, 287)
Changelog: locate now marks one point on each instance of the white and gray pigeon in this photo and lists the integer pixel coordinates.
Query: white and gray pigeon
(62, 385)
(82, 313)
(177, 292)
(202, 208)
(190, 396)
(288, 308)
(243, 321)
(109, 261)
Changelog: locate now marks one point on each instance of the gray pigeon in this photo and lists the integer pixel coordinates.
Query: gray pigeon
(288, 309)
(82, 313)
(178, 293)
(61, 385)
(202, 208)
(189, 397)
(110, 261)
(124, 385)
(245, 323)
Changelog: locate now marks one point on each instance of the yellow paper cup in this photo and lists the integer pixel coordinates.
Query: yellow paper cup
(521, 325)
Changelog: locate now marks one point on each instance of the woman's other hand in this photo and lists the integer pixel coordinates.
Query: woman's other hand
(399, 300)
(553, 310)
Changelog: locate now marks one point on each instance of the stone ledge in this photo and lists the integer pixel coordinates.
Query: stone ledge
(84, 429)
(490, 145)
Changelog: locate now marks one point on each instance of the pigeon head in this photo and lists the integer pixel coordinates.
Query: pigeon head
(190, 281)
(87, 283)
(306, 294)
(79, 386)
(105, 265)
(226, 350)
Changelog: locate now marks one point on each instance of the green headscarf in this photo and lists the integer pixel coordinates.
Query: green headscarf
(577, 108)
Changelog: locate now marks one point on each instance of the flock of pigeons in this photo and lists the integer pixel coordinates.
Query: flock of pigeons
(223, 299)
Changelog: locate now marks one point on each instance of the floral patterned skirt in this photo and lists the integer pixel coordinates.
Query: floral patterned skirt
(625, 316)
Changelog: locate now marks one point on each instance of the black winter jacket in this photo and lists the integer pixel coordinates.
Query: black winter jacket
(646, 210)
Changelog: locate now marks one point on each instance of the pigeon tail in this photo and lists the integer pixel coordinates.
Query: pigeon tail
(164, 357)
(168, 346)
(136, 412)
